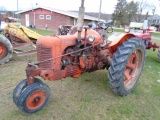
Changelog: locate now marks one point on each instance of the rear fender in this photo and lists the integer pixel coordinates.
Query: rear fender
(117, 40)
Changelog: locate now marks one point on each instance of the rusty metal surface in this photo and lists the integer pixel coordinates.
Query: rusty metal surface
(71, 55)
(44, 53)
(32, 71)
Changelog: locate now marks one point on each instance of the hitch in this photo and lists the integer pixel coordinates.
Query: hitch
(32, 70)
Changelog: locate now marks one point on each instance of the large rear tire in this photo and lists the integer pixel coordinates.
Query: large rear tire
(126, 67)
(6, 50)
(158, 55)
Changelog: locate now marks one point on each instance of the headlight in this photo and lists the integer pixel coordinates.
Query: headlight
(91, 38)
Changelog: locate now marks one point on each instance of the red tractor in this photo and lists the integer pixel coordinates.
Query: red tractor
(72, 55)
(144, 34)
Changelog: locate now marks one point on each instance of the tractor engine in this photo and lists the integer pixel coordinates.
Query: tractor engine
(62, 56)
(87, 60)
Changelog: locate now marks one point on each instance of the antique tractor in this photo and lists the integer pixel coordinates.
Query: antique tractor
(72, 55)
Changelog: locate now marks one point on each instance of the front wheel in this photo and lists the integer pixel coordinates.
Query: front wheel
(20, 87)
(158, 55)
(126, 67)
(33, 98)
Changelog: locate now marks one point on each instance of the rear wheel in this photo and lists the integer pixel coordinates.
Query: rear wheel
(126, 66)
(158, 55)
(6, 50)
(33, 98)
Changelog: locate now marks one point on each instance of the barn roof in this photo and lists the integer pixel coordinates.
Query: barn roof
(68, 13)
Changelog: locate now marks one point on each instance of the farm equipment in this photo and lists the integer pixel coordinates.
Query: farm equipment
(7, 19)
(15, 38)
(145, 35)
(69, 29)
(64, 29)
(72, 55)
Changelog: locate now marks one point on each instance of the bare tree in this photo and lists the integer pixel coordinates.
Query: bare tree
(153, 8)
(9, 14)
(143, 6)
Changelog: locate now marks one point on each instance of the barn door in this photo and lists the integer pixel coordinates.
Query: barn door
(27, 19)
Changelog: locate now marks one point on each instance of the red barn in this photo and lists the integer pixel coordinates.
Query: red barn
(49, 18)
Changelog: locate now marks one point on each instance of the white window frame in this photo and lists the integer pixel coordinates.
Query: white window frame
(41, 16)
(48, 16)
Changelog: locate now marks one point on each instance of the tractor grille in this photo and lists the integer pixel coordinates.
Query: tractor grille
(44, 53)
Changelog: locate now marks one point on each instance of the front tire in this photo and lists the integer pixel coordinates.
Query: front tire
(6, 50)
(126, 67)
(20, 87)
(33, 98)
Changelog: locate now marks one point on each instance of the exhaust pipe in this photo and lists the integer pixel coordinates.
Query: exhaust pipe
(80, 21)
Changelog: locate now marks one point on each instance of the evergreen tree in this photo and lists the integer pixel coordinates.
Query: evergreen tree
(131, 10)
(118, 14)
(124, 12)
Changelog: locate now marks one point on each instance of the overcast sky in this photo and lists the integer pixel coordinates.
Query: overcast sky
(108, 6)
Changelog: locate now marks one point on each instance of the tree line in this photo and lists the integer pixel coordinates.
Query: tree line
(126, 12)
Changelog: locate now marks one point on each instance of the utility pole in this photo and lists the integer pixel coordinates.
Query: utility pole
(17, 5)
(0, 19)
(80, 23)
(17, 9)
(100, 10)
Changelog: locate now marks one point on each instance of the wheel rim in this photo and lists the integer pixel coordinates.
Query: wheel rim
(36, 100)
(133, 69)
(3, 51)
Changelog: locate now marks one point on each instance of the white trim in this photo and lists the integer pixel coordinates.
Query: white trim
(41, 16)
(27, 20)
(48, 17)
(34, 19)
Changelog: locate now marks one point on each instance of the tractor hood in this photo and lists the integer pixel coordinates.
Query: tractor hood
(67, 40)
(50, 41)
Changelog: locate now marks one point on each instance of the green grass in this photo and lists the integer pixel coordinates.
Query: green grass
(155, 34)
(118, 30)
(43, 32)
(87, 97)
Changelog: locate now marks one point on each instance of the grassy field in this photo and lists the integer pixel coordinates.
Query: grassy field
(87, 97)
(43, 32)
